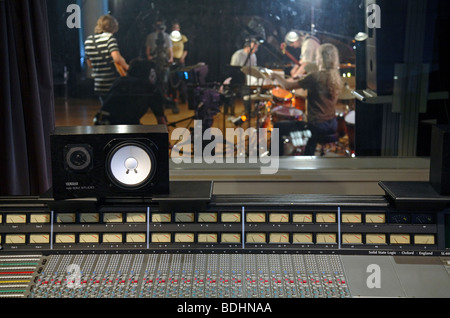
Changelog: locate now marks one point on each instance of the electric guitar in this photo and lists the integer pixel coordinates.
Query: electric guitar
(289, 55)
(119, 68)
(309, 68)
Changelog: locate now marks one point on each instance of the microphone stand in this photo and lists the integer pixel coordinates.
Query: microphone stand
(249, 61)
(251, 103)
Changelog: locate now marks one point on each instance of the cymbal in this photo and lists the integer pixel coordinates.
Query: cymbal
(256, 72)
(258, 97)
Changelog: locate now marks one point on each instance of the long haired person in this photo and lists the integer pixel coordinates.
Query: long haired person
(324, 87)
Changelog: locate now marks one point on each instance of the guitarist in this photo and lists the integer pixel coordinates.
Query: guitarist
(103, 55)
(309, 45)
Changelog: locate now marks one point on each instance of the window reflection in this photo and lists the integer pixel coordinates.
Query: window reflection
(370, 110)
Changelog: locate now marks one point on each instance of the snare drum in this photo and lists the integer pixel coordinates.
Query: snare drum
(282, 97)
(282, 113)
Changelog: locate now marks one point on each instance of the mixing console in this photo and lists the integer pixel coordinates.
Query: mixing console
(221, 276)
(184, 246)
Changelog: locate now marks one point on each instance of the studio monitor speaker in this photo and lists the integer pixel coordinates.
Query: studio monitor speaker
(440, 159)
(110, 161)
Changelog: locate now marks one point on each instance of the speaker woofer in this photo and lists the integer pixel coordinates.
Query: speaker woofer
(131, 165)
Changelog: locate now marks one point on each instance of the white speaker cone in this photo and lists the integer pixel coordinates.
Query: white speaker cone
(131, 165)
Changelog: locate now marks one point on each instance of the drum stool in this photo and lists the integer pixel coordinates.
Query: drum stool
(324, 140)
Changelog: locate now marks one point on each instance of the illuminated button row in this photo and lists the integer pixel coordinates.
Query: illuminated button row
(347, 238)
(257, 238)
(44, 218)
(21, 218)
(72, 238)
(203, 217)
(191, 217)
(282, 217)
(262, 217)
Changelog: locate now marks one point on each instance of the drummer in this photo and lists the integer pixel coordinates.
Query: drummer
(324, 87)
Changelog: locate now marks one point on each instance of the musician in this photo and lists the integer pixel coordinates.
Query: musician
(102, 51)
(309, 45)
(158, 44)
(131, 96)
(179, 41)
(324, 87)
(159, 49)
(180, 52)
(247, 55)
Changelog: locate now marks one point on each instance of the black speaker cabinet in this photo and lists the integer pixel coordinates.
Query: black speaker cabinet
(385, 45)
(110, 161)
(440, 159)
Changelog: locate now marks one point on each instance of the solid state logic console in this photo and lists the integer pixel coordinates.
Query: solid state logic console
(182, 241)
(198, 245)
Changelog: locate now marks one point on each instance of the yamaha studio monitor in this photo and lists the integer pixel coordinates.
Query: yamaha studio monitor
(110, 161)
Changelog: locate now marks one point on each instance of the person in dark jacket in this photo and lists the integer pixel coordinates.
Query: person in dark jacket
(131, 96)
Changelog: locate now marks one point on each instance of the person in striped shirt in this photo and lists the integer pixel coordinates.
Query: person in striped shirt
(103, 55)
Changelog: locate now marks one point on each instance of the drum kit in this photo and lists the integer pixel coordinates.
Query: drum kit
(274, 105)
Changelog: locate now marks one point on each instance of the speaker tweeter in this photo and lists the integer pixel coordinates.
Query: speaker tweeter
(78, 157)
